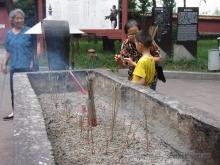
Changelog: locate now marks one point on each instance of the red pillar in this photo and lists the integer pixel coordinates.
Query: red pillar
(40, 10)
(124, 16)
(40, 46)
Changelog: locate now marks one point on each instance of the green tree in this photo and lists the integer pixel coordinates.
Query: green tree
(169, 3)
(216, 12)
(144, 6)
(132, 5)
(30, 9)
(154, 3)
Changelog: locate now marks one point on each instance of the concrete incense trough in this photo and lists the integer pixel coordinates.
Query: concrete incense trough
(96, 117)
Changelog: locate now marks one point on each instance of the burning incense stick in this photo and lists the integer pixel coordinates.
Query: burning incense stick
(82, 90)
(91, 105)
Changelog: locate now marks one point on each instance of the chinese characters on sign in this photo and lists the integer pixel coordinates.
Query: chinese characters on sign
(187, 28)
(82, 14)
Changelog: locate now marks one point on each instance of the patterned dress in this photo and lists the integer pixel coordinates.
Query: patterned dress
(132, 53)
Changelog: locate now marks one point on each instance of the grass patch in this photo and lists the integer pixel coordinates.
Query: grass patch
(106, 59)
(184, 65)
(203, 47)
(198, 65)
(103, 59)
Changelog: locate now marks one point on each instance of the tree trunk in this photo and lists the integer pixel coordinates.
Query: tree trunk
(108, 44)
(154, 3)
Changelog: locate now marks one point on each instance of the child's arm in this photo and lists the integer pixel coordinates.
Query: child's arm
(156, 58)
(141, 81)
(130, 62)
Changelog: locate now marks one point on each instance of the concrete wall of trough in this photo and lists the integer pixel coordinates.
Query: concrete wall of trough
(187, 130)
(192, 133)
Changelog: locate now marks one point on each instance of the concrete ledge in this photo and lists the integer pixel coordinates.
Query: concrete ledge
(182, 75)
(32, 146)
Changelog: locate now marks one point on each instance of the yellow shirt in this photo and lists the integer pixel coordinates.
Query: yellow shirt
(145, 69)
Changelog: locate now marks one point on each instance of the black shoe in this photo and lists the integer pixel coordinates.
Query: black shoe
(8, 118)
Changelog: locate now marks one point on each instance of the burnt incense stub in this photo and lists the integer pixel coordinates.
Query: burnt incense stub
(92, 53)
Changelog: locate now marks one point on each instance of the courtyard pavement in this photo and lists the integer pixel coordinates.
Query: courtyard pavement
(6, 127)
(202, 94)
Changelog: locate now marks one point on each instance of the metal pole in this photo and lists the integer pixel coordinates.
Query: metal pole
(124, 16)
(184, 3)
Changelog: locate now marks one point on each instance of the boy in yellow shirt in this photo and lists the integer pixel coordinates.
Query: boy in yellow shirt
(144, 71)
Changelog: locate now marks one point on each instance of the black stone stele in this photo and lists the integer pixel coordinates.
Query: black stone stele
(57, 37)
(187, 28)
(162, 17)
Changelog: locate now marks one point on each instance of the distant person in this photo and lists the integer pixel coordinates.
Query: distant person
(113, 17)
(144, 71)
(19, 48)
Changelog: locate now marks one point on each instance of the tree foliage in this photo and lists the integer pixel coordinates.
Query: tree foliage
(144, 6)
(216, 12)
(169, 3)
(154, 3)
(132, 5)
(30, 9)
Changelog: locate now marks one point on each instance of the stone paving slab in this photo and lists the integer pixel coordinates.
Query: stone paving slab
(6, 127)
(202, 94)
(183, 75)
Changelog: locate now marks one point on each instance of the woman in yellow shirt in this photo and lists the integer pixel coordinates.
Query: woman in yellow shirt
(144, 71)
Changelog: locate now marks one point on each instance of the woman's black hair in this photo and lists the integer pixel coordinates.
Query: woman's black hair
(144, 37)
(131, 23)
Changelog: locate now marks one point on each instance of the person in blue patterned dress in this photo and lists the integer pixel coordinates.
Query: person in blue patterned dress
(19, 50)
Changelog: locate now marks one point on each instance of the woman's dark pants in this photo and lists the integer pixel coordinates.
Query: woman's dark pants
(12, 71)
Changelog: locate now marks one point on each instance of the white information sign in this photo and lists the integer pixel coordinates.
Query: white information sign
(82, 14)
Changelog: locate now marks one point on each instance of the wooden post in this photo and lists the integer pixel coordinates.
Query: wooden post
(40, 10)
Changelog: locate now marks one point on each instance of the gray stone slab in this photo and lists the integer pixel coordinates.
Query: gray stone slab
(182, 75)
(6, 127)
(31, 143)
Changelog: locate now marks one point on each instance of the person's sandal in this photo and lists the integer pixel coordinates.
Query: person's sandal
(9, 117)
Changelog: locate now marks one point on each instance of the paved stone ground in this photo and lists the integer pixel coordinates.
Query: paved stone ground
(202, 94)
(6, 127)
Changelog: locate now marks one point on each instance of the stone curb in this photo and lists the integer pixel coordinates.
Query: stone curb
(182, 75)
